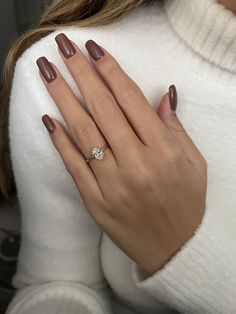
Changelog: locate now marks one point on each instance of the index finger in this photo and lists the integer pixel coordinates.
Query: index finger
(98, 98)
(146, 123)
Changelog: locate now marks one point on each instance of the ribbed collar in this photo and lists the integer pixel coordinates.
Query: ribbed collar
(207, 27)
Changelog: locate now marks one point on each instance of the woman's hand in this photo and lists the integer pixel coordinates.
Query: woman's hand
(148, 193)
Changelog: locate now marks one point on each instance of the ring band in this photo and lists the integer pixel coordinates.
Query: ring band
(97, 153)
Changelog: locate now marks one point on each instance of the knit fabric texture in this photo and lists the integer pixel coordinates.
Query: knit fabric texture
(66, 263)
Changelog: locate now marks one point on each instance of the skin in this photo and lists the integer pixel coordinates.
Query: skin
(229, 4)
(150, 198)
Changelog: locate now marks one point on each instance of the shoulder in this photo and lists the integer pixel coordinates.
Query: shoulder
(117, 37)
(119, 30)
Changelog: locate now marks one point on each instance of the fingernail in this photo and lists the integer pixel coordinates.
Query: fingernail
(46, 69)
(94, 50)
(65, 45)
(173, 97)
(48, 122)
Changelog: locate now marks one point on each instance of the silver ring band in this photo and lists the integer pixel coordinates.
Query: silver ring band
(97, 153)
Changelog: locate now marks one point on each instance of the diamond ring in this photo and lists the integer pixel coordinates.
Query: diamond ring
(97, 153)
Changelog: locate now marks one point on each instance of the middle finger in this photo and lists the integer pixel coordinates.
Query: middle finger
(99, 100)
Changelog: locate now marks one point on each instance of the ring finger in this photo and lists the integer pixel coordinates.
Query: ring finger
(81, 126)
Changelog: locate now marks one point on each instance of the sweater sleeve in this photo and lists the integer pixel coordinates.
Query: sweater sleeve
(201, 277)
(59, 297)
(60, 240)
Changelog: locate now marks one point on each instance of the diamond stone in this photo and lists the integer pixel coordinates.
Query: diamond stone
(98, 153)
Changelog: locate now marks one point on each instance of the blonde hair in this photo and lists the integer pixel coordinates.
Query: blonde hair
(60, 13)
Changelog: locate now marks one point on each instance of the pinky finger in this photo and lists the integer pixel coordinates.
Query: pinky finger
(74, 162)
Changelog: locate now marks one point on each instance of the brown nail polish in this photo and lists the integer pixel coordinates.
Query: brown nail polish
(48, 122)
(65, 45)
(173, 97)
(46, 69)
(94, 50)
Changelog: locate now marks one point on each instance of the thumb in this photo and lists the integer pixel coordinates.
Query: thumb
(167, 113)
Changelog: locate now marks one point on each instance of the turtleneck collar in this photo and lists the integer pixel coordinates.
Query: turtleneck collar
(207, 27)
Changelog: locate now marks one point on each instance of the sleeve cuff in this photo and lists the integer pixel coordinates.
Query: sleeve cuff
(58, 297)
(201, 277)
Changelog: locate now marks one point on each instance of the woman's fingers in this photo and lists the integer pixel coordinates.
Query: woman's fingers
(81, 126)
(169, 117)
(99, 100)
(129, 96)
(74, 162)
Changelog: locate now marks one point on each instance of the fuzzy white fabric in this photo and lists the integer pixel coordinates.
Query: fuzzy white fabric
(65, 259)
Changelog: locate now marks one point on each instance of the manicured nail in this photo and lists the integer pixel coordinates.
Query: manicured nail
(48, 122)
(65, 45)
(94, 50)
(173, 97)
(46, 69)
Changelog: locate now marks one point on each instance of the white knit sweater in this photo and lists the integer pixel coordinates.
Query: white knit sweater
(65, 260)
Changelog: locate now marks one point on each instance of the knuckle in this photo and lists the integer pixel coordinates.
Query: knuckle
(131, 93)
(102, 102)
(83, 131)
(140, 174)
(173, 154)
(177, 127)
(82, 69)
(144, 177)
(60, 91)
